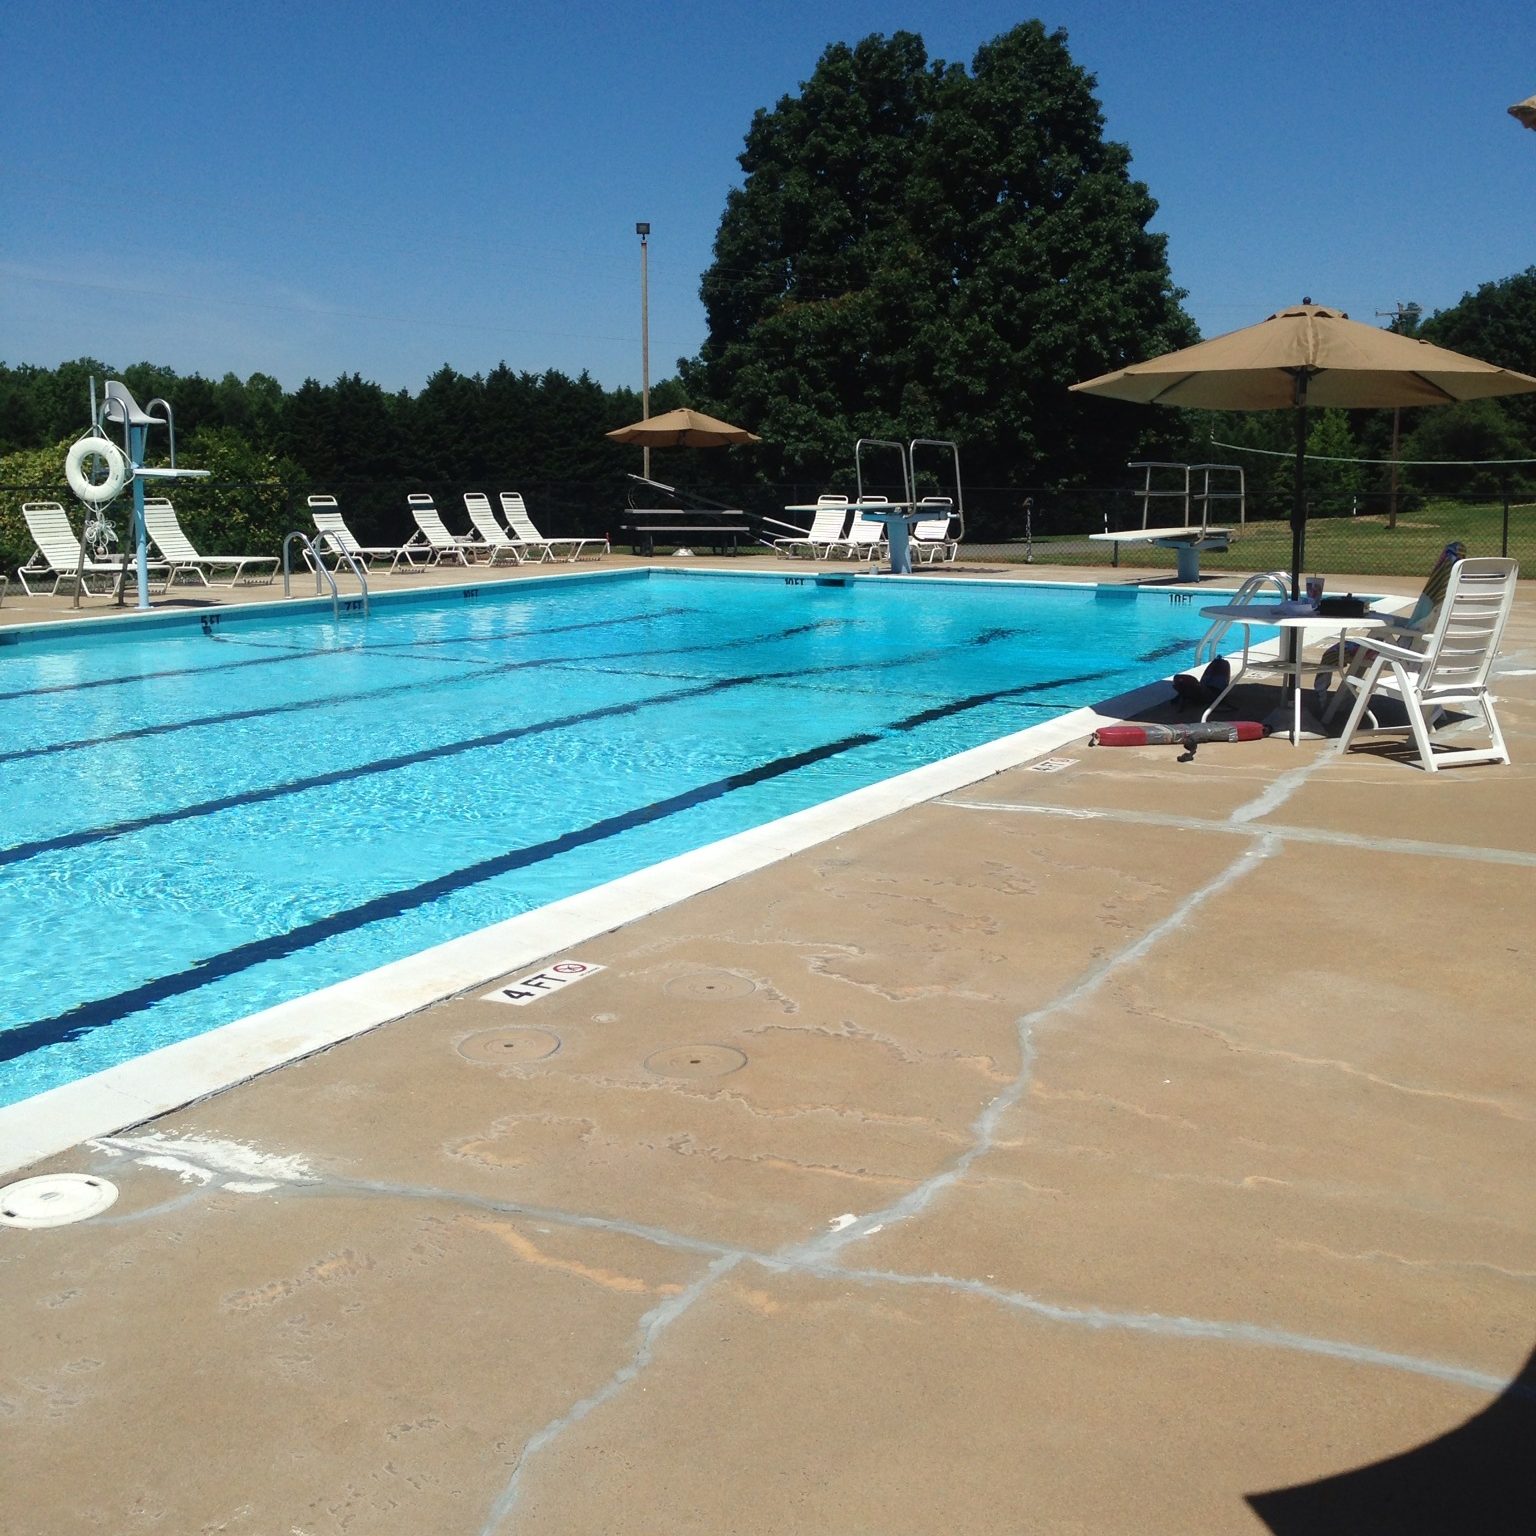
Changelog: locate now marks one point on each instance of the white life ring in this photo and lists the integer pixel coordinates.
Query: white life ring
(81, 484)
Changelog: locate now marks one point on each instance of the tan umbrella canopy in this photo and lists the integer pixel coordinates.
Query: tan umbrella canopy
(682, 428)
(1525, 111)
(1303, 356)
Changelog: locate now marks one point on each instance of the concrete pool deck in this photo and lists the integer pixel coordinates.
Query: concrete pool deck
(1108, 1149)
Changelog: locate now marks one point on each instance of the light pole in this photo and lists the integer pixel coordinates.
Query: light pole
(1405, 321)
(643, 230)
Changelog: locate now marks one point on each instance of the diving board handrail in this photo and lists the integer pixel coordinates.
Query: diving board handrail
(901, 455)
(1150, 493)
(1205, 495)
(956, 526)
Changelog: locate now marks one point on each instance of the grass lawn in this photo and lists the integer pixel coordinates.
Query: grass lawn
(1353, 544)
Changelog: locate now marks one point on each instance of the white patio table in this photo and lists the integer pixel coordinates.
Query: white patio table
(1290, 664)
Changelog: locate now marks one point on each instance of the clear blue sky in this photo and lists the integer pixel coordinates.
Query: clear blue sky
(326, 187)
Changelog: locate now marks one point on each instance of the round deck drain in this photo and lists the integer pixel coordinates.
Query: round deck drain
(509, 1046)
(695, 1061)
(54, 1200)
(710, 984)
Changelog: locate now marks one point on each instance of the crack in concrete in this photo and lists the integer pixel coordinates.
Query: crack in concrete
(1162, 1326)
(1286, 833)
(909, 1055)
(652, 1327)
(985, 1127)
(1238, 1047)
(1402, 1260)
(820, 1257)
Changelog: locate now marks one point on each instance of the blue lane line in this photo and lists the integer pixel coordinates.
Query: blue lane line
(87, 836)
(293, 653)
(75, 1023)
(416, 685)
(80, 1020)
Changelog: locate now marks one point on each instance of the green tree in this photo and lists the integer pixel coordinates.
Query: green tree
(30, 474)
(921, 251)
(1262, 443)
(1498, 324)
(1333, 487)
(1474, 430)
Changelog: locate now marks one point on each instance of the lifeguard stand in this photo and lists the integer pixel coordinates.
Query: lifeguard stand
(119, 408)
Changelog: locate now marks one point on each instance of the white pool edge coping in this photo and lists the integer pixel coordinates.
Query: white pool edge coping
(180, 1074)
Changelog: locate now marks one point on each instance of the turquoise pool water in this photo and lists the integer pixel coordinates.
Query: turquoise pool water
(205, 820)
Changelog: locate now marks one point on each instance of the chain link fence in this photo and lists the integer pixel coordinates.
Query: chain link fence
(1374, 534)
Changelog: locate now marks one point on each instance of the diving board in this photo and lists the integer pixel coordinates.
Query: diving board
(1189, 538)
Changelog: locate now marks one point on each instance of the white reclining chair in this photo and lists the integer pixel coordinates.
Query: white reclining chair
(866, 537)
(165, 531)
(432, 539)
(825, 532)
(493, 541)
(57, 554)
(515, 510)
(1447, 670)
(930, 542)
(334, 533)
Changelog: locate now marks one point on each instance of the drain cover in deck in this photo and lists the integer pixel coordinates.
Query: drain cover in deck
(695, 1061)
(509, 1047)
(708, 984)
(54, 1200)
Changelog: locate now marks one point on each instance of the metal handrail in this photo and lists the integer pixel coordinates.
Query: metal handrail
(881, 442)
(313, 548)
(959, 499)
(1205, 496)
(1147, 494)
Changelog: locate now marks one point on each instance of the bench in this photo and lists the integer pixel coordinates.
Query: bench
(720, 530)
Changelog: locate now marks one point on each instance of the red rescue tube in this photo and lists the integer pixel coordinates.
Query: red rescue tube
(1177, 735)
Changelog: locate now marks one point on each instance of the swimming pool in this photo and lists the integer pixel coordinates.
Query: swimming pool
(207, 819)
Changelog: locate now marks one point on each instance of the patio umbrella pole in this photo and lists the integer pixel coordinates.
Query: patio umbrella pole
(1299, 499)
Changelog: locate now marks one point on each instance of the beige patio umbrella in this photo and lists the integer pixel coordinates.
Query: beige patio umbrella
(1304, 356)
(1525, 111)
(682, 428)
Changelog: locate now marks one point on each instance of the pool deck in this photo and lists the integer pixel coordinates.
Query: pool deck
(1139, 1147)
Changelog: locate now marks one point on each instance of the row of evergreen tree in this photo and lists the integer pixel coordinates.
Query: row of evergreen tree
(535, 426)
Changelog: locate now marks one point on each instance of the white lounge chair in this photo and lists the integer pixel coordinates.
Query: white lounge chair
(825, 531)
(866, 538)
(515, 510)
(57, 554)
(432, 538)
(929, 538)
(494, 542)
(337, 536)
(165, 531)
(1450, 669)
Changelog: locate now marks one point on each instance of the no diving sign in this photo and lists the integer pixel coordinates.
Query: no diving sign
(529, 989)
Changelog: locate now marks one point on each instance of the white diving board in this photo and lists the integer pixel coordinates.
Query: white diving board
(1188, 538)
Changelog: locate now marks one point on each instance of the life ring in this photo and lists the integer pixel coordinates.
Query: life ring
(88, 490)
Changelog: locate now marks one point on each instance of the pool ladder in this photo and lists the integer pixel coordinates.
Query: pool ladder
(313, 549)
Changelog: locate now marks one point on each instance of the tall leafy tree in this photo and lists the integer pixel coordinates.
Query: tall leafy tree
(918, 250)
(1498, 324)
(1334, 481)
